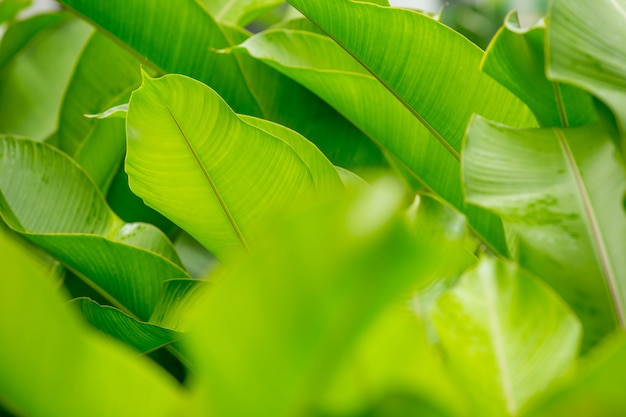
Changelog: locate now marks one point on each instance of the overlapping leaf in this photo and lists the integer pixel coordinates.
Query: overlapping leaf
(239, 12)
(561, 192)
(215, 174)
(507, 337)
(49, 200)
(586, 48)
(516, 59)
(55, 366)
(152, 30)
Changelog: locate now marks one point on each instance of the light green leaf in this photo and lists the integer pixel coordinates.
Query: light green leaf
(239, 12)
(322, 66)
(145, 337)
(586, 48)
(127, 263)
(393, 370)
(560, 190)
(303, 301)
(516, 59)
(56, 367)
(507, 337)
(212, 172)
(597, 390)
(33, 78)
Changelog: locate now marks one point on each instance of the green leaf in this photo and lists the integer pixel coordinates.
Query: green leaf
(597, 390)
(10, 8)
(322, 66)
(55, 366)
(239, 12)
(145, 337)
(104, 76)
(393, 370)
(506, 336)
(516, 59)
(585, 48)
(560, 191)
(321, 279)
(212, 172)
(34, 77)
(125, 262)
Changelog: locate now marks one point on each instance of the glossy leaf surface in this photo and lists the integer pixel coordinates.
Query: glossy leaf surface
(209, 170)
(507, 336)
(126, 262)
(239, 12)
(561, 191)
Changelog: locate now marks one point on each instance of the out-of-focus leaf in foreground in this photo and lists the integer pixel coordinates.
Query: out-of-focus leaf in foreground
(284, 320)
(54, 366)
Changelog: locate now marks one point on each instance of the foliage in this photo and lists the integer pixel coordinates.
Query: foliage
(354, 212)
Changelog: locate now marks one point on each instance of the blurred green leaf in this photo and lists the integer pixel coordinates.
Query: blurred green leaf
(145, 337)
(303, 301)
(212, 172)
(561, 192)
(597, 390)
(178, 303)
(586, 48)
(516, 59)
(33, 77)
(55, 366)
(48, 199)
(506, 336)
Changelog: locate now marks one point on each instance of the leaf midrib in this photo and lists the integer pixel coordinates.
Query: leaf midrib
(209, 179)
(595, 231)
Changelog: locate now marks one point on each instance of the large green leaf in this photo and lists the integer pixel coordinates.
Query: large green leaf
(52, 202)
(507, 336)
(516, 59)
(323, 67)
(212, 172)
(239, 12)
(55, 366)
(561, 192)
(33, 80)
(586, 48)
(10, 8)
(597, 390)
(303, 301)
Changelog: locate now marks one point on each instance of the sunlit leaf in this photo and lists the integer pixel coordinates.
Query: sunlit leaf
(212, 172)
(586, 48)
(561, 191)
(506, 336)
(239, 12)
